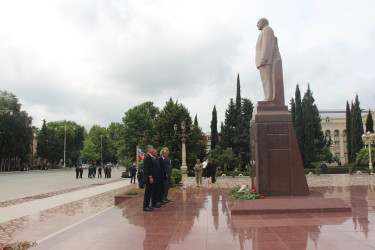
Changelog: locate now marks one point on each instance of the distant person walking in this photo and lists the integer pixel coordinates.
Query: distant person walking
(324, 167)
(211, 170)
(100, 172)
(91, 171)
(109, 171)
(80, 171)
(198, 172)
(133, 173)
(77, 172)
(105, 172)
(205, 168)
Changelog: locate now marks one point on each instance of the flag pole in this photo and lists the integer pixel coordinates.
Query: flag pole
(136, 157)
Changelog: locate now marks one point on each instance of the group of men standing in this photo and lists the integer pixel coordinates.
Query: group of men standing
(157, 173)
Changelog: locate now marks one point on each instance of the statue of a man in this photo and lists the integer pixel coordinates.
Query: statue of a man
(267, 53)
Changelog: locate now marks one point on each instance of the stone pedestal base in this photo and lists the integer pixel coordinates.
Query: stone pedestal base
(277, 168)
(290, 205)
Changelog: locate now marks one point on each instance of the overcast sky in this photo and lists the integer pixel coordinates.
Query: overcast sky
(90, 61)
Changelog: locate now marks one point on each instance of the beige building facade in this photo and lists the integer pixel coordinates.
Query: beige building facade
(334, 126)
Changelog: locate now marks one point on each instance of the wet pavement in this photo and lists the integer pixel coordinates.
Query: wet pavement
(201, 219)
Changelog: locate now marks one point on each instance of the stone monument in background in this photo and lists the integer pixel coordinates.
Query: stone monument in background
(276, 164)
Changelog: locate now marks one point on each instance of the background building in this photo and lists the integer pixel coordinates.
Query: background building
(334, 128)
(207, 139)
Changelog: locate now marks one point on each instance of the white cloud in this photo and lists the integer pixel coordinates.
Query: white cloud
(90, 61)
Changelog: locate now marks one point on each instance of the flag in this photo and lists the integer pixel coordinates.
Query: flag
(139, 150)
(141, 156)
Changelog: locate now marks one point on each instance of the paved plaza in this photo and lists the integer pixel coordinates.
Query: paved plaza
(61, 212)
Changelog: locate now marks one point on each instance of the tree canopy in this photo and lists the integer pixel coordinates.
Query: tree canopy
(16, 133)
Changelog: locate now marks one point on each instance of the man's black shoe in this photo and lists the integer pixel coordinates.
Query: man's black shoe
(168, 200)
(156, 206)
(148, 209)
(160, 204)
(165, 201)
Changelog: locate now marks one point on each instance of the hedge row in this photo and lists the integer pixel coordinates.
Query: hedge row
(338, 170)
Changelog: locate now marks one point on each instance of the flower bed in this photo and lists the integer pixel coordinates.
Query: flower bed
(19, 245)
(244, 192)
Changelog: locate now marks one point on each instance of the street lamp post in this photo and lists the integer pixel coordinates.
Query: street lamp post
(368, 139)
(101, 148)
(72, 127)
(183, 167)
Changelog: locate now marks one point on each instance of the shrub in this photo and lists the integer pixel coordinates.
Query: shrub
(134, 191)
(239, 169)
(177, 175)
(172, 183)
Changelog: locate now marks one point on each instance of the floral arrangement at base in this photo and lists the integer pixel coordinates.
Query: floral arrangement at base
(244, 192)
(19, 245)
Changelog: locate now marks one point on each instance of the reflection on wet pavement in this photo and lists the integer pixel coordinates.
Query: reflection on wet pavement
(201, 219)
(39, 225)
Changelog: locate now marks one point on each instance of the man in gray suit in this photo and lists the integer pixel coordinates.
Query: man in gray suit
(168, 171)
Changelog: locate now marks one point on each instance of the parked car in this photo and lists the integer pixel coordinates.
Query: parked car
(85, 165)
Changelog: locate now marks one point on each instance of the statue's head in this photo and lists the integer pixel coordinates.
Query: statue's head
(263, 22)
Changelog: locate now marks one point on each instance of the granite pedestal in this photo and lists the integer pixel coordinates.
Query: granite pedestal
(277, 168)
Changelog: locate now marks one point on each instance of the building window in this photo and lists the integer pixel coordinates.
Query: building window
(338, 156)
(208, 138)
(345, 144)
(336, 133)
(328, 132)
(327, 119)
(344, 132)
(337, 143)
(346, 156)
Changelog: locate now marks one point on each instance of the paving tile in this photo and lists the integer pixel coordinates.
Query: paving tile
(201, 219)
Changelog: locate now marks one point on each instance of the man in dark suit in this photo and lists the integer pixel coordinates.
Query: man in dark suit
(162, 164)
(149, 176)
(156, 189)
(168, 173)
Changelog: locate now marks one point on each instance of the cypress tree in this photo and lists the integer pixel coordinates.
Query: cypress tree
(238, 101)
(313, 141)
(309, 149)
(214, 136)
(348, 131)
(356, 129)
(293, 110)
(196, 120)
(229, 125)
(299, 122)
(369, 122)
(243, 137)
